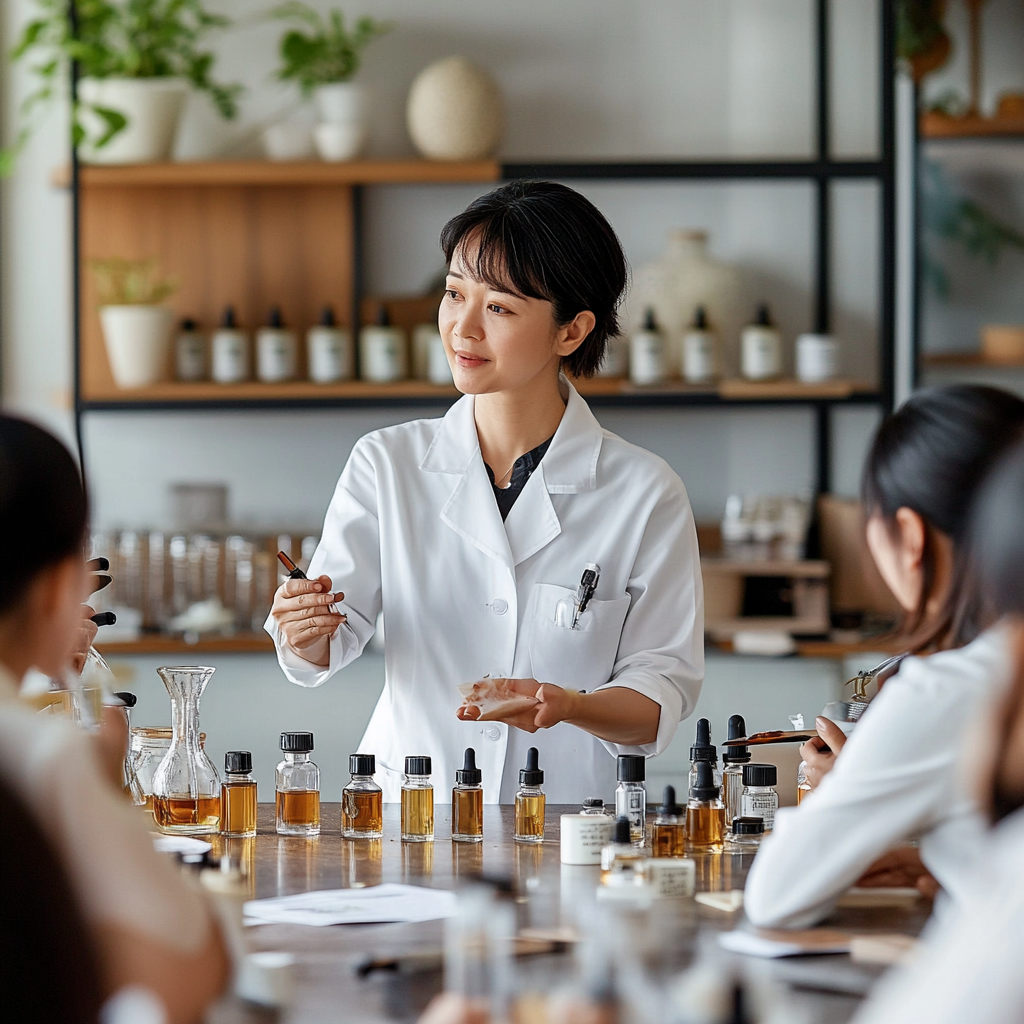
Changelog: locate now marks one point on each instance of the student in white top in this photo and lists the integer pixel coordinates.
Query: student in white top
(897, 777)
(968, 968)
(150, 929)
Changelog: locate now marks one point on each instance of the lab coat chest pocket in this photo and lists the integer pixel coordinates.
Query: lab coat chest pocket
(581, 658)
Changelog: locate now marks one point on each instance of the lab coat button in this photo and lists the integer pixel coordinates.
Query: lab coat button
(499, 606)
(492, 732)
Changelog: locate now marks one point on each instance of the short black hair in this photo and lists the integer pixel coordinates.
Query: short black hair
(546, 241)
(44, 512)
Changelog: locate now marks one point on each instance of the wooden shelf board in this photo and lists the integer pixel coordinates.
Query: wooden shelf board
(826, 648)
(737, 389)
(966, 359)
(935, 125)
(239, 643)
(267, 172)
(804, 569)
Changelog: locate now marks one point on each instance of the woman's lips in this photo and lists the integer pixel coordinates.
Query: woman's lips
(468, 361)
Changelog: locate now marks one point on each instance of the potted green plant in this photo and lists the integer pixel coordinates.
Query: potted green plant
(321, 55)
(136, 60)
(136, 327)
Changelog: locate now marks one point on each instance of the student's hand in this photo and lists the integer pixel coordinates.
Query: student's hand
(86, 634)
(302, 612)
(554, 705)
(901, 868)
(820, 753)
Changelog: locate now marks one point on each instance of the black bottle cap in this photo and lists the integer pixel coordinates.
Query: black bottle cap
(188, 324)
(470, 775)
(703, 749)
(228, 320)
(382, 319)
(417, 765)
(621, 833)
(275, 319)
(127, 698)
(747, 826)
(736, 755)
(531, 775)
(760, 775)
(700, 319)
(650, 324)
(631, 768)
(705, 788)
(668, 802)
(327, 317)
(593, 801)
(362, 764)
(764, 317)
(238, 761)
(296, 742)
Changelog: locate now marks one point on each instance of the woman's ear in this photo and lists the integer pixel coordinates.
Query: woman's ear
(913, 534)
(574, 333)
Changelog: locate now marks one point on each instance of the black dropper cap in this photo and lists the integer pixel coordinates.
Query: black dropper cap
(228, 319)
(764, 318)
(470, 775)
(238, 761)
(705, 789)
(275, 319)
(736, 755)
(668, 802)
(760, 775)
(703, 749)
(700, 319)
(188, 324)
(417, 766)
(382, 319)
(631, 768)
(748, 826)
(327, 317)
(531, 775)
(621, 834)
(650, 324)
(362, 764)
(296, 742)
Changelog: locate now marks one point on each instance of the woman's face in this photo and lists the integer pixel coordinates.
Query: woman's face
(59, 615)
(898, 550)
(497, 340)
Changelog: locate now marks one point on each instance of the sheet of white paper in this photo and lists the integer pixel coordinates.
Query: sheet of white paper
(180, 844)
(374, 905)
(750, 944)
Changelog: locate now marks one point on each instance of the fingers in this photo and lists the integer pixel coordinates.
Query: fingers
(468, 712)
(528, 687)
(830, 733)
(928, 887)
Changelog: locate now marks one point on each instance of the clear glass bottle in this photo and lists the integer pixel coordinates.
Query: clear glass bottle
(631, 793)
(704, 750)
(622, 862)
(594, 805)
(760, 799)
(362, 802)
(417, 802)
(530, 801)
(705, 813)
(298, 787)
(668, 837)
(734, 758)
(238, 795)
(803, 787)
(468, 802)
(186, 786)
(746, 832)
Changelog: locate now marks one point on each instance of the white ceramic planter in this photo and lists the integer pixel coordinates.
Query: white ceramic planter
(340, 103)
(289, 140)
(153, 108)
(337, 142)
(138, 343)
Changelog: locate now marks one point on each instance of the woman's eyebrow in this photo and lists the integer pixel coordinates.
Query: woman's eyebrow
(490, 284)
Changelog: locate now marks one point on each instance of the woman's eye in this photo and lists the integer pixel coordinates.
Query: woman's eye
(495, 308)
(451, 293)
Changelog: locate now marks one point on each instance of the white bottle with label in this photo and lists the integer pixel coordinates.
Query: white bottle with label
(817, 358)
(190, 352)
(699, 362)
(761, 348)
(229, 348)
(439, 370)
(329, 351)
(277, 350)
(382, 351)
(421, 337)
(647, 356)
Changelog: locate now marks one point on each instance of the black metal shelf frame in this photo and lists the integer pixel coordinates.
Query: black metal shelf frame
(821, 171)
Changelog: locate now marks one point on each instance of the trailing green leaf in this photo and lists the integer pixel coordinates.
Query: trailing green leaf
(121, 282)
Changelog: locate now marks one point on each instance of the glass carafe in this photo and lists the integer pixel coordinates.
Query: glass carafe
(186, 786)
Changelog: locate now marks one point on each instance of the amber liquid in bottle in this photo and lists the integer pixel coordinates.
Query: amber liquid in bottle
(468, 815)
(801, 791)
(362, 814)
(529, 818)
(198, 811)
(668, 840)
(299, 807)
(705, 828)
(417, 814)
(238, 809)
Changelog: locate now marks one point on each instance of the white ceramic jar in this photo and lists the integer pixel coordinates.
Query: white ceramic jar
(421, 338)
(190, 352)
(439, 370)
(383, 356)
(230, 360)
(583, 836)
(761, 348)
(329, 351)
(647, 356)
(277, 351)
(817, 358)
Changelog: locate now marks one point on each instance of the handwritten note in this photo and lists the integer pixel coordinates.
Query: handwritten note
(374, 905)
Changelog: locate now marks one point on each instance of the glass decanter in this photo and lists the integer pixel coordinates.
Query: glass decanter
(186, 786)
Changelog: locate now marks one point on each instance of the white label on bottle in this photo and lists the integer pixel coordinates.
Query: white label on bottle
(583, 836)
(230, 357)
(647, 358)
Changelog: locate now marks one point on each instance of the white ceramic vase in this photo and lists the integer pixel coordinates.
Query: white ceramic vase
(288, 140)
(153, 108)
(684, 278)
(138, 342)
(341, 131)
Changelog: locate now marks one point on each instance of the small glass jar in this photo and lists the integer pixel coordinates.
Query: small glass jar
(760, 799)
(594, 806)
(298, 787)
(631, 793)
(468, 802)
(238, 795)
(362, 802)
(530, 801)
(746, 832)
(417, 802)
(622, 863)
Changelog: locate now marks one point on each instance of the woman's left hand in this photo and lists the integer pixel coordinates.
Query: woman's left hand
(820, 754)
(86, 634)
(554, 704)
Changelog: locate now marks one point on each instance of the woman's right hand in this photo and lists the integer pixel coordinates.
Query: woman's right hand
(820, 753)
(303, 615)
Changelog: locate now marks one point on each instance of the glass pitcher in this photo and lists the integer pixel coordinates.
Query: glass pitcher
(146, 749)
(186, 786)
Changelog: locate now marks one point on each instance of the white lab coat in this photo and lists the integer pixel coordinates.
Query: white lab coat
(413, 529)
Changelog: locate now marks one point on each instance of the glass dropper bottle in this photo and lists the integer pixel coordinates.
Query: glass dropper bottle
(705, 813)
(468, 802)
(734, 758)
(530, 801)
(668, 838)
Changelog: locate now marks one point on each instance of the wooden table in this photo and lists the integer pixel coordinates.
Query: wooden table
(330, 990)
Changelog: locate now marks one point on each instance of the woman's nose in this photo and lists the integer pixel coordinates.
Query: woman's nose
(470, 325)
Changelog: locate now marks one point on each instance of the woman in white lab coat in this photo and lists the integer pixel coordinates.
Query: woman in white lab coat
(467, 531)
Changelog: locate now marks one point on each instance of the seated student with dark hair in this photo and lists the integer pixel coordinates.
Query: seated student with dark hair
(149, 928)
